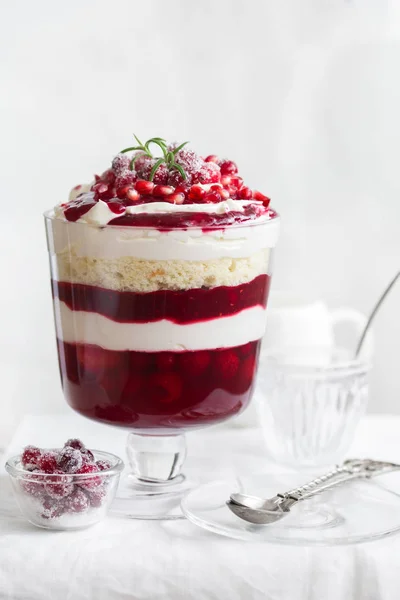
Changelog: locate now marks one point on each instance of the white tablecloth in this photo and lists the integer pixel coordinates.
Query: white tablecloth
(120, 559)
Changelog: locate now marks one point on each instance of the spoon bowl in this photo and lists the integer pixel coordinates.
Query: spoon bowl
(256, 516)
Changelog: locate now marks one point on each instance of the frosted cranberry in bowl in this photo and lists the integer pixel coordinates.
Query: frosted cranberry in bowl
(66, 488)
(160, 277)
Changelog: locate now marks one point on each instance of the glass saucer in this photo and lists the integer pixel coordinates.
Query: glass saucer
(360, 511)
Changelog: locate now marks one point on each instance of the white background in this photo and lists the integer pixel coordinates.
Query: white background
(304, 95)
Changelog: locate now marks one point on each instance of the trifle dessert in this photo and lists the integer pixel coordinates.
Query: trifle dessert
(160, 276)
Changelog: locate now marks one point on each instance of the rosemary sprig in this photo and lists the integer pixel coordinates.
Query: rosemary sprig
(168, 157)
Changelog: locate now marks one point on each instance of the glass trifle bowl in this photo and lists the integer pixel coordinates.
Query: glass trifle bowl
(159, 294)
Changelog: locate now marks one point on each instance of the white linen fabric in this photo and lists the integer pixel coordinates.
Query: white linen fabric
(122, 559)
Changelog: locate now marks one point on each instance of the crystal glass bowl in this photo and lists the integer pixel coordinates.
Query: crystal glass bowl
(65, 501)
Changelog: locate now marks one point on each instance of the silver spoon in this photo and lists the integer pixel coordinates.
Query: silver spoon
(264, 511)
(374, 312)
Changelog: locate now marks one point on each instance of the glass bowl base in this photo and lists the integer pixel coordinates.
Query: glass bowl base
(137, 499)
(361, 511)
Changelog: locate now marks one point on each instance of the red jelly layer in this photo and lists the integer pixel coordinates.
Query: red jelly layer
(206, 221)
(182, 220)
(158, 390)
(181, 307)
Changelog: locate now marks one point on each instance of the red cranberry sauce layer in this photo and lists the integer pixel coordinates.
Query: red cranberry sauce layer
(158, 390)
(180, 306)
(175, 177)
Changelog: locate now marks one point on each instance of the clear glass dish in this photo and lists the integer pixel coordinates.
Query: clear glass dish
(158, 332)
(359, 511)
(65, 501)
(308, 414)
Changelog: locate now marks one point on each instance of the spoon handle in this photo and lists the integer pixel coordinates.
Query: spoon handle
(374, 313)
(349, 470)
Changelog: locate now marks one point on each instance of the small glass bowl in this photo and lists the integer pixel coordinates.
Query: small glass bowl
(65, 501)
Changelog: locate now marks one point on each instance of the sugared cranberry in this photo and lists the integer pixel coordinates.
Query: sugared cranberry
(77, 502)
(125, 178)
(97, 496)
(87, 455)
(208, 173)
(161, 175)
(189, 161)
(166, 361)
(163, 190)
(59, 485)
(196, 193)
(30, 457)
(227, 363)
(261, 198)
(144, 187)
(120, 163)
(70, 460)
(52, 508)
(88, 483)
(245, 193)
(228, 167)
(211, 158)
(143, 165)
(102, 465)
(195, 363)
(47, 462)
(75, 443)
(33, 485)
(108, 177)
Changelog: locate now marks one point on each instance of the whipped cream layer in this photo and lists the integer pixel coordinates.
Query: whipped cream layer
(89, 239)
(224, 332)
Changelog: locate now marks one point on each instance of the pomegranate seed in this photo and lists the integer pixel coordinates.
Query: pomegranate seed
(237, 182)
(223, 193)
(176, 198)
(212, 197)
(245, 193)
(261, 198)
(183, 188)
(196, 193)
(163, 190)
(232, 191)
(132, 195)
(226, 180)
(211, 158)
(144, 187)
(121, 191)
(228, 167)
